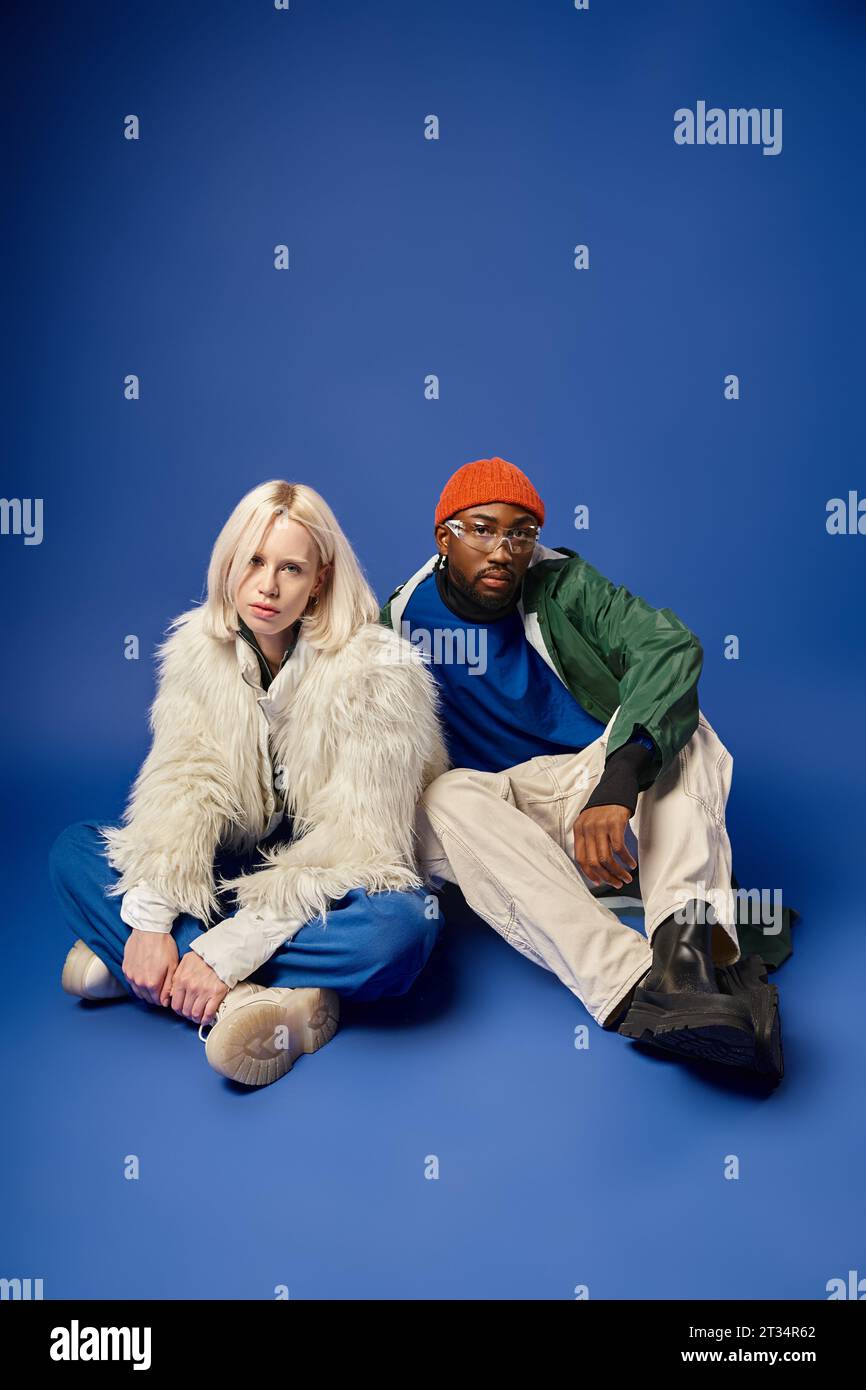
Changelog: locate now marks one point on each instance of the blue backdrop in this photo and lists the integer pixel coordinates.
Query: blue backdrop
(455, 257)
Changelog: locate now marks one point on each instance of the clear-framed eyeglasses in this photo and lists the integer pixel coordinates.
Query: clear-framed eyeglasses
(480, 535)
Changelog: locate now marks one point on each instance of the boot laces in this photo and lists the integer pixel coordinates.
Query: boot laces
(221, 1010)
(216, 1019)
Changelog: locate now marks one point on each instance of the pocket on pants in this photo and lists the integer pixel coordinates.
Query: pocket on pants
(550, 789)
(707, 769)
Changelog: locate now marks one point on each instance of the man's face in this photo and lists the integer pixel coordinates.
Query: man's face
(489, 577)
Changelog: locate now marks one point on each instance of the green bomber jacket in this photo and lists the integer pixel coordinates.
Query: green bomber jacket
(608, 646)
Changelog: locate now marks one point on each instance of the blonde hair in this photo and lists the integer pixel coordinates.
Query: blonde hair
(345, 599)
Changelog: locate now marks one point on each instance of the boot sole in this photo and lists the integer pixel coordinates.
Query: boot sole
(72, 979)
(248, 1045)
(708, 1031)
(74, 970)
(768, 1030)
(748, 979)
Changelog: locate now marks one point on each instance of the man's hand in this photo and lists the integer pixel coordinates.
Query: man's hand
(599, 836)
(197, 991)
(149, 962)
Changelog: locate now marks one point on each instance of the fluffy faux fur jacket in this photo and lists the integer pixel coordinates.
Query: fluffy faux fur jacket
(355, 734)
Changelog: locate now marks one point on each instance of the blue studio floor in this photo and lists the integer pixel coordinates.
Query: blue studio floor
(556, 1165)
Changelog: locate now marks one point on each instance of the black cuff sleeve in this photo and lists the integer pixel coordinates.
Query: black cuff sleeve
(624, 771)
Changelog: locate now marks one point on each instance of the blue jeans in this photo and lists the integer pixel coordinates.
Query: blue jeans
(374, 944)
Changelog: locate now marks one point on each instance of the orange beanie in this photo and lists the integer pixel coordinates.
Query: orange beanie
(488, 480)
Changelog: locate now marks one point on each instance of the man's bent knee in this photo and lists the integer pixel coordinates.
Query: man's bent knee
(457, 781)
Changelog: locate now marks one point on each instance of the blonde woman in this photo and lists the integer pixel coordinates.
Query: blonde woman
(265, 862)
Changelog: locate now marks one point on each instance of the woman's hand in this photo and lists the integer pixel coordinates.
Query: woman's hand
(149, 962)
(196, 990)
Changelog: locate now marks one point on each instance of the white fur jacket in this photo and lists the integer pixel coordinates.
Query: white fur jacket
(356, 738)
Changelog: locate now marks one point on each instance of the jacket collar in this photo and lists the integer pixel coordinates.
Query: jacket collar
(247, 636)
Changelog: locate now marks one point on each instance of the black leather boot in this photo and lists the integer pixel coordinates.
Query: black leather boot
(683, 953)
(679, 1007)
(748, 978)
(682, 960)
(615, 1019)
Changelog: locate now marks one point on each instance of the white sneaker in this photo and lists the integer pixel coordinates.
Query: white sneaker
(258, 1033)
(88, 977)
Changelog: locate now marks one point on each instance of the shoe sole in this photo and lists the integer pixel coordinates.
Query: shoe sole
(709, 1033)
(748, 979)
(72, 979)
(768, 1030)
(248, 1045)
(74, 970)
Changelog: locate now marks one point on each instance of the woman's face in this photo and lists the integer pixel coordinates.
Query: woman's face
(279, 579)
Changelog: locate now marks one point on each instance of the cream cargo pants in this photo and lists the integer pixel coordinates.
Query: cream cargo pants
(506, 839)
